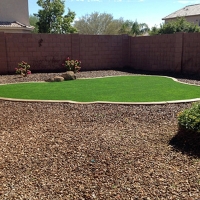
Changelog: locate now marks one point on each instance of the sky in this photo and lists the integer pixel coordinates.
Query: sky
(150, 12)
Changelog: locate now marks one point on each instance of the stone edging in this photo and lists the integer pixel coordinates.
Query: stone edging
(104, 102)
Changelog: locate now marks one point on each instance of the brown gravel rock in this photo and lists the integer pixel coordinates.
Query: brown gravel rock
(95, 151)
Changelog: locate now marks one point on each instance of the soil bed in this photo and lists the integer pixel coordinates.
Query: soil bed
(97, 151)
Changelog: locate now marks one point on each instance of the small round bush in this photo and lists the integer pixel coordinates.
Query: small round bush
(190, 118)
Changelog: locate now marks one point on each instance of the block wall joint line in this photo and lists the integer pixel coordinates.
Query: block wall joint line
(6, 48)
(182, 53)
(71, 46)
(130, 50)
(178, 53)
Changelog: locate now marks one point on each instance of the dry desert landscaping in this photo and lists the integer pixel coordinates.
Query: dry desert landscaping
(94, 151)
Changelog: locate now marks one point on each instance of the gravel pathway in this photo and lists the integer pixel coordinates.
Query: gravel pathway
(100, 151)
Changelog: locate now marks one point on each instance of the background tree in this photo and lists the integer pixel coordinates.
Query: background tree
(51, 19)
(139, 28)
(33, 22)
(134, 28)
(154, 30)
(114, 27)
(179, 25)
(125, 27)
(98, 24)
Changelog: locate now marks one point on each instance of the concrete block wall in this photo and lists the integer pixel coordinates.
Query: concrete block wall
(3, 54)
(191, 53)
(155, 53)
(103, 52)
(46, 52)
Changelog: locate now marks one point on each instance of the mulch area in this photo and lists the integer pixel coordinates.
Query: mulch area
(95, 151)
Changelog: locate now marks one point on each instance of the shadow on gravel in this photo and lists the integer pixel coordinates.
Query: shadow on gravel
(188, 142)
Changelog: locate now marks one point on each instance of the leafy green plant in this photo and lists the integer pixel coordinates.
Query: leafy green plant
(72, 65)
(134, 28)
(190, 118)
(23, 69)
(175, 26)
(51, 18)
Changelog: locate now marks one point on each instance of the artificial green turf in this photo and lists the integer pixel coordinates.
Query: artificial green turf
(115, 89)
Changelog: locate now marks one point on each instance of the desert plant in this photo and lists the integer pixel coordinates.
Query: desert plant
(190, 118)
(23, 68)
(72, 65)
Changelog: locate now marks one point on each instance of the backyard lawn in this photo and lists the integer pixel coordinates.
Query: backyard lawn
(111, 89)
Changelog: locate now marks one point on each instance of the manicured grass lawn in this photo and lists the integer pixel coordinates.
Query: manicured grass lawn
(116, 89)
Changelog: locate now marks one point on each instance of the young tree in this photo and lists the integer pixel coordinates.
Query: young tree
(51, 19)
(98, 24)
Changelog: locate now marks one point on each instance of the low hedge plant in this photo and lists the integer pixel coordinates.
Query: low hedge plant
(189, 119)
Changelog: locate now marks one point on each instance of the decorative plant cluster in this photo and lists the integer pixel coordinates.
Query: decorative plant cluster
(72, 65)
(190, 118)
(23, 68)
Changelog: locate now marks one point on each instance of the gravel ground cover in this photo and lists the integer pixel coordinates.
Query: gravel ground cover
(95, 151)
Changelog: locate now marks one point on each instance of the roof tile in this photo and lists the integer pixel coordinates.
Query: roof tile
(13, 24)
(186, 11)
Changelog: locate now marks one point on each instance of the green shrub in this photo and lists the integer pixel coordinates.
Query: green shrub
(190, 118)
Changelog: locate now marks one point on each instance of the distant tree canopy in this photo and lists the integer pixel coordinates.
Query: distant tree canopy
(51, 19)
(98, 24)
(104, 24)
(33, 22)
(179, 25)
(134, 28)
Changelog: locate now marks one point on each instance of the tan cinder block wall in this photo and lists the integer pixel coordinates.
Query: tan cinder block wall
(191, 53)
(104, 52)
(46, 52)
(14, 10)
(155, 53)
(3, 55)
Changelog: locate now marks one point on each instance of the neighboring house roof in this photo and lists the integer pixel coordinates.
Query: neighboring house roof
(14, 24)
(190, 10)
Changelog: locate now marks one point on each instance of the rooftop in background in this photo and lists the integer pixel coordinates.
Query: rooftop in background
(190, 10)
(15, 27)
(13, 24)
(14, 17)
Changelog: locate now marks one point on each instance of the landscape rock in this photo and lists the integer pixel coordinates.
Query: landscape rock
(50, 80)
(55, 79)
(58, 79)
(69, 75)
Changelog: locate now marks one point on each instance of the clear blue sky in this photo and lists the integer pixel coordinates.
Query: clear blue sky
(144, 11)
